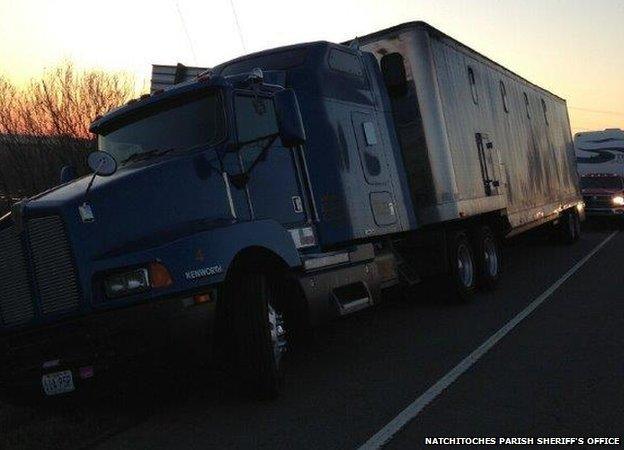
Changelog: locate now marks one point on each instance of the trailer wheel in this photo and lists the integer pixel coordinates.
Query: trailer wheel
(488, 257)
(259, 331)
(570, 227)
(463, 273)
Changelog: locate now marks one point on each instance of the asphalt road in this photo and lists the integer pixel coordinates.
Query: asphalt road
(559, 372)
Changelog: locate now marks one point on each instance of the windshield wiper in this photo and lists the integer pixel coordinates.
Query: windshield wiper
(158, 152)
(240, 145)
(239, 180)
(139, 156)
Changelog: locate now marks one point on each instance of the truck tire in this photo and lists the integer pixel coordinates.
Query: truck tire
(462, 266)
(488, 257)
(259, 332)
(569, 227)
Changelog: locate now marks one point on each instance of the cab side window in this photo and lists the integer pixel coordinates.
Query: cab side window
(255, 117)
(346, 62)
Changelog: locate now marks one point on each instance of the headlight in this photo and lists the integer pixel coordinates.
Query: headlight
(126, 283)
(154, 275)
(618, 200)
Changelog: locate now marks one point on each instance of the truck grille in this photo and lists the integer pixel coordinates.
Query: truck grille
(16, 301)
(53, 265)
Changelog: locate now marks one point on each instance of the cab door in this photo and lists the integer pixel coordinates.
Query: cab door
(375, 168)
(274, 185)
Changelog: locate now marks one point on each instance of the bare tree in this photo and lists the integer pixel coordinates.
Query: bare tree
(71, 99)
(45, 125)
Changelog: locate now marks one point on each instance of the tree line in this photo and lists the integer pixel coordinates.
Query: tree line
(44, 125)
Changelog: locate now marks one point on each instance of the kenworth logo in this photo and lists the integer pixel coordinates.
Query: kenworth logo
(203, 272)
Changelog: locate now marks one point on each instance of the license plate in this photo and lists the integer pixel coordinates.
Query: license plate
(58, 382)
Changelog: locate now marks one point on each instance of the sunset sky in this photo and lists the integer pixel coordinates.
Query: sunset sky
(574, 48)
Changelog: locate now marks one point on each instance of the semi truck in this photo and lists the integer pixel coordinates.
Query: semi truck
(600, 160)
(266, 196)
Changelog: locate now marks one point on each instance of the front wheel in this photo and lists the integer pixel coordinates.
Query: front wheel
(259, 331)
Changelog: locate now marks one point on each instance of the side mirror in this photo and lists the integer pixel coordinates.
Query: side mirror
(289, 120)
(68, 173)
(393, 70)
(102, 163)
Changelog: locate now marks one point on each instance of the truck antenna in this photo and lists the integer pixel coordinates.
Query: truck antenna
(188, 36)
(238, 27)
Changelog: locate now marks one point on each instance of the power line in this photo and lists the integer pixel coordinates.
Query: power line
(598, 111)
(238, 27)
(188, 36)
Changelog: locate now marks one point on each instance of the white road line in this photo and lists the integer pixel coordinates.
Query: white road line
(384, 435)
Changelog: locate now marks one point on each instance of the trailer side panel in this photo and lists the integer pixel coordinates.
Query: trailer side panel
(492, 140)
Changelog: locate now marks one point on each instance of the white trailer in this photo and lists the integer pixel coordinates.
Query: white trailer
(476, 137)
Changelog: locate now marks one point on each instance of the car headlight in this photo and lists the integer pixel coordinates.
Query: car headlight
(618, 200)
(126, 283)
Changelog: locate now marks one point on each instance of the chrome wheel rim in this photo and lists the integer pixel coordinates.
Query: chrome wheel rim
(278, 333)
(490, 256)
(465, 266)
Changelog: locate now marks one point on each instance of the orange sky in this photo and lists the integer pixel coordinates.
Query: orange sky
(573, 48)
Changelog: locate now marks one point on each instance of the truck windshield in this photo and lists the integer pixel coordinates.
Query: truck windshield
(601, 183)
(181, 123)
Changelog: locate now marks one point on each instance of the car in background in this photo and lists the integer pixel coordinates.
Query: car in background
(603, 194)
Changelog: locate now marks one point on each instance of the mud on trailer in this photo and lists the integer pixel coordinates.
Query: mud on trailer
(274, 193)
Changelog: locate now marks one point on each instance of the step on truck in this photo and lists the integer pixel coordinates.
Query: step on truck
(273, 193)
